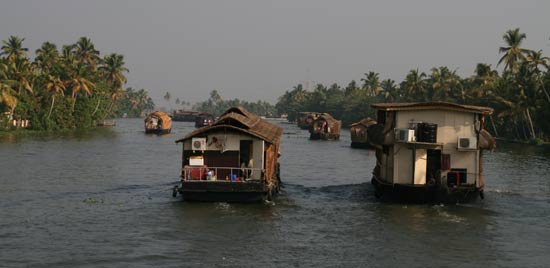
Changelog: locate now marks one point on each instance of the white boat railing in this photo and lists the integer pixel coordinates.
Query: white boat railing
(211, 173)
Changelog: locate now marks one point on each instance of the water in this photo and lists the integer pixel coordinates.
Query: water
(103, 199)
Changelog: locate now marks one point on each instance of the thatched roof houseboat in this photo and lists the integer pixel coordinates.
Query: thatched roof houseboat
(233, 160)
(358, 131)
(184, 116)
(204, 119)
(429, 152)
(305, 119)
(325, 127)
(158, 123)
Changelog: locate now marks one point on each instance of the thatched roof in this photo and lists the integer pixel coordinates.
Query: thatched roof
(432, 106)
(239, 119)
(166, 119)
(365, 122)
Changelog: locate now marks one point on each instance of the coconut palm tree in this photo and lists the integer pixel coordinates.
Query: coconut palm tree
(7, 91)
(113, 70)
(86, 53)
(390, 90)
(371, 83)
(414, 86)
(46, 56)
(13, 48)
(513, 53)
(55, 86)
(78, 82)
(535, 59)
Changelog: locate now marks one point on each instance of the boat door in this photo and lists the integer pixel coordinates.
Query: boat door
(433, 170)
(245, 157)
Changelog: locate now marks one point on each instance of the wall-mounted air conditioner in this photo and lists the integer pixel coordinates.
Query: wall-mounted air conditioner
(198, 144)
(404, 135)
(467, 143)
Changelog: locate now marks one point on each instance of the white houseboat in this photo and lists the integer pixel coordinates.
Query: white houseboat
(233, 160)
(429, 152)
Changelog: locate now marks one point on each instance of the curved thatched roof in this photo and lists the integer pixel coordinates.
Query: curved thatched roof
(432, 106)
(166, 119)
(365, 122)
(239, 119)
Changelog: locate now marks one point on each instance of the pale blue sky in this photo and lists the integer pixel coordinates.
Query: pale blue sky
(252, 49)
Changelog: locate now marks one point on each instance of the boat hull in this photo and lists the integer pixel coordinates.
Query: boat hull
(324, 136)
(224, 191)
(409, 193)
(157, 131)
(361, 145)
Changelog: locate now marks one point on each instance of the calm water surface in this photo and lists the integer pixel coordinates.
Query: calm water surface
(103, 199)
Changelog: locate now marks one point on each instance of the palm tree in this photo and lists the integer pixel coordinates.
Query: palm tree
(390, 90)
(414, 86)
(535, 59)
(55, 86)
(46, 56)
(85, 52)
(371, 83)
(7, 91)
(13, 48)
(113, 70)
(78, 82)
(513, 53)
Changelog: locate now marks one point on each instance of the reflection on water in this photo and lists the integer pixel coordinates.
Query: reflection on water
(103, 198)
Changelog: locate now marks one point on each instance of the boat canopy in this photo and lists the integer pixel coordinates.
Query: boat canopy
(239, 119)
(432, 106)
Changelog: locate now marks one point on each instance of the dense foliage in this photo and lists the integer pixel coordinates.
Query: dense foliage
(215, 105)
(518, 94)
(63, 89)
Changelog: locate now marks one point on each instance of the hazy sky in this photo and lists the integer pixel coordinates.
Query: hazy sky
(258, 49)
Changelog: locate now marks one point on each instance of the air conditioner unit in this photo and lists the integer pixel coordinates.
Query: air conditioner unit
(467, 143)
(404, 135)
(198, 144)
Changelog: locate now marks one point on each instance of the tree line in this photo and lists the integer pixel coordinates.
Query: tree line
(216, 105)
(67, 88)
(519, 93)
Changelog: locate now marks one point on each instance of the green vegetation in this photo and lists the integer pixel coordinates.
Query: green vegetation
(518, 94)
(215, 105)
(64, 89)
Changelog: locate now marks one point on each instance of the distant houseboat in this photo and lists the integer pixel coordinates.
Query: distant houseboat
(158, 123)
(325, 127)
(203, 120)
(358, 131)
(233, 160)
(429, 152)
(185, 116)
(305, 119)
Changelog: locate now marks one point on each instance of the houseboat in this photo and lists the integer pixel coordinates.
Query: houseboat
(233, 160)
(325, 127)
(204, 119)
(429, 152)
(158, 123)
(305, 119)
(106, 123)
(184, 116)
(358, 131)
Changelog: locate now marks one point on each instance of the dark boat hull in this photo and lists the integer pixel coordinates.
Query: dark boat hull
(361, 145)
(425, 193)
(224, 191)
(324, 136)
(157, 131)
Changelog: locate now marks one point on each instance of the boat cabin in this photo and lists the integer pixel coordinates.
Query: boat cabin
(204, 119)
(325, 127)
(358, 133)
(305, 119)
(234, 159)
(429, 151)
(158, 123)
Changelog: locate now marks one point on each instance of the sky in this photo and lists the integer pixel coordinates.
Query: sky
(256, 50)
